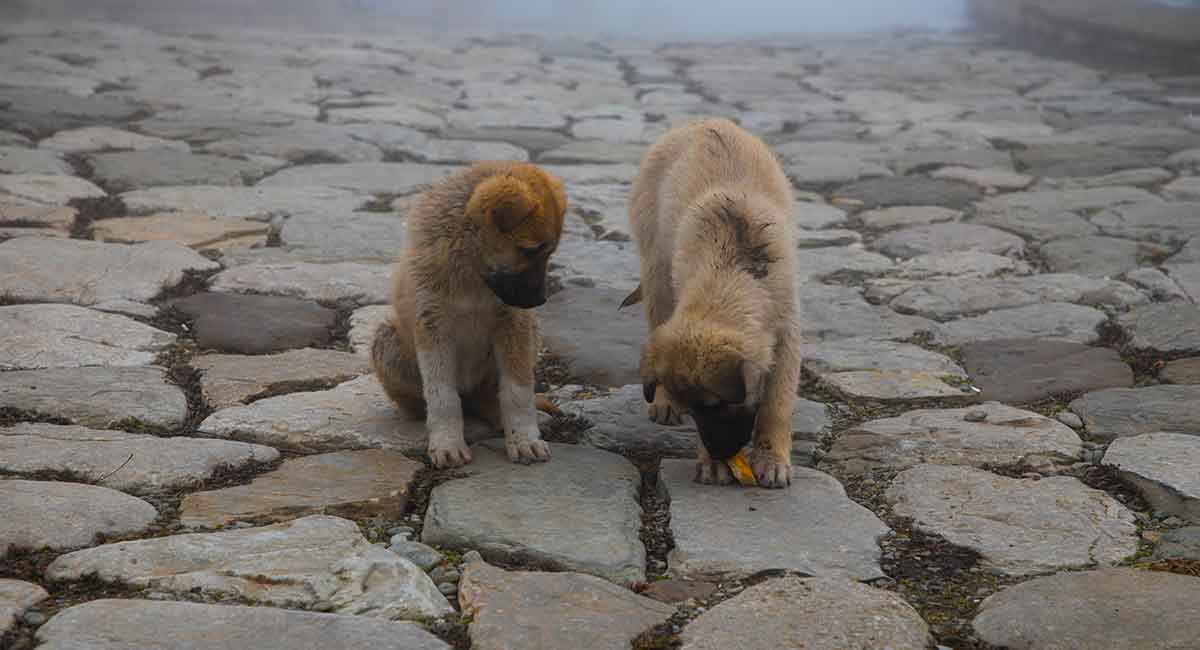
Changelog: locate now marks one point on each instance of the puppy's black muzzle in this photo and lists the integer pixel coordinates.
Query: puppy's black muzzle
(724, 431)
(521, 290)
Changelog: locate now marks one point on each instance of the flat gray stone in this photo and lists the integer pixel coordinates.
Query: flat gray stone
(815, 264)
(924, 160)
(1187, 277)
(12, 139)
(1004, 436)
(577, 512)
(822, 171)
(66, 336)
(816, 528)
(830, 313)
(53, 220)
(1097, 256)
(986, 179)
(59, 515)
(1120, 412)
(300, 145)
(1024, 371)
(1161, 223)
(1162, 466)
(348, 237)
(599, 344)
(230, 379)
(883, 192)
(298, 563)
(808, 214)
(1053, 320)
(585, 152)
(343, 281)
(1106, 609)
(584, 262)
(948, 237)
(129, 462)
(906, 215)
(365, 177)
(360, 484)
(1018, 526)
(363, 323)
(192, 626)
(353, 415)
(97, 396)
(850, 355)
(1184, 188)
(546, 611)
(255, 203)
(810, 613)
(1156, 283)
(41, 111)
(954, 298)
(46, 189)
(104, 138)
(620, 423)
(15, 597)
(253, 324)
(964, 264)
(1170, 328)
(192, 229)
(1059, 160)
(87, 272)
(123, 171)
(1147, 177)
(1179, 544)
(891, 385)
(1183, 371)
(19, 160)
(593, 174)
(1053, 214)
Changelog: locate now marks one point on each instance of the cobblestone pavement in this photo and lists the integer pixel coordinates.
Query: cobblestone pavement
(998, 442)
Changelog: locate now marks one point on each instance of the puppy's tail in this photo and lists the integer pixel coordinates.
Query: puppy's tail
(545, 406)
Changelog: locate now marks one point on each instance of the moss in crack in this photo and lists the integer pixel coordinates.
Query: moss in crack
(380, 203)
(655, 532)
(90, 210)
(193, 282)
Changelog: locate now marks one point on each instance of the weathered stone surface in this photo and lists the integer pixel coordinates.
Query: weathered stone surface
(815, 264)
(669, 590)
(192, 229)
(1059, 160)
(254, 203)
(1018, 526)
(367, 177)
(1023, 371)
(586, 263)
(363, 323)
(907, 215)
(1163, 468)
(1184, 188)
(1053, 214)
(1164, 328)
(546, 611)
(350, 281)
(810, 613)
(1147, 177)
(947, 237)
(1004, 436)
(1120, 412)
(307, 144)
(364, 483)
(1183, 371)
(1179, 544)
(123, 171)
(103, 138)
(965, 264)
(952, 298)
(808, 214)
(1106, 609)
(883, 192)
(913, 162)
(1155, 283)
(348, 237)
(1162, 223)
(87, 272)
(594, 152)
(97, 396)
(61, 515)
(252, 324)
(129, 462)
(620, 423)
(229, 380)
(599, 344)
(985, 179)
(66, 336)
(353, 415)
(1097, 256)
(40, 111)
(15, 597)
(192, 626)
(1052, 320)
(850, 355)
(19, 160)
(46, 189)
(301, 562)
(816, 528)
(577, 512)
(891, 385)
(29, 217)
(1187, 277)
(830, 313)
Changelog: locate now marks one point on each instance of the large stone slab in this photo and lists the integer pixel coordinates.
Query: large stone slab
(815, 528)
(365, 177)
(1097, 256)
(810, 613)
(46, 189)
(954, 298)
(315, 559)
(348, 281)
(829, 313)
(1106, 609)
(59, 515)
(619, 422)
(349, 237)
(1187, 278)
(1059, 160)
(353, 415)
(905, 216)
(949, 237)
(19, 160)
(97, 396)
(1162, 223)
(111, 623)
(300, 145)
(1163, 468)
(252, 324)
(986, 434)
(192, 229)
(546, 611)
(1179, 544)
(851, 354)
(365, 483)
(577, 512)
(1058, 321)
(255, 203)
(231, 379)
(960, 263)
(15, 597)
(884, 192)
(599, 344)
(1119, 412)
(891, 385)
(1018, 526)
(104, 138)
(1053, 214)
(129, 462)
(41, 111)
(1170, 328)
(122, 171)
(1023, 371)
(87, 272)
(66, 336)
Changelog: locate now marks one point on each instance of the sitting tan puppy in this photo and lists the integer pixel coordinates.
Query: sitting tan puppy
(462, 333)
(711, 212)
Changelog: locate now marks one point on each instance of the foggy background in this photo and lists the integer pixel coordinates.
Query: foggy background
(640, 18)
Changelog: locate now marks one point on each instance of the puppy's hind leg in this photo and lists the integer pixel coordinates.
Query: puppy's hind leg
(394, 361)
(516, 357)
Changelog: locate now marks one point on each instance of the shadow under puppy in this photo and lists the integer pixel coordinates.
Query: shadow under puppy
(711, 212)
(462, 333)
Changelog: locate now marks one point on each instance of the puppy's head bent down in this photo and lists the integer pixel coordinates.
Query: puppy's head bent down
(519, 214)
(715, 374)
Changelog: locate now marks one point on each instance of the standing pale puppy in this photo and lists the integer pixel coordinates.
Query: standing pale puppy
(711, 212)
(462, 334)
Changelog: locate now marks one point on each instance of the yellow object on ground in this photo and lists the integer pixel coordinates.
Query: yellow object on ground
(741, 469)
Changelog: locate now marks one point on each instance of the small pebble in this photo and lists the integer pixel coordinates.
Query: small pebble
(417, 553)
(448, 588)
(975, 416)
(34, 618)
(1172, 522)
(471, 556)
(1070, 419)
(445, 574)
(401, 537)
(323, 606)
(400, 530)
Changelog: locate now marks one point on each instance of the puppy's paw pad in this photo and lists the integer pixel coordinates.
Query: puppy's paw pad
(713, 473)
(449, 455)
(526, 451)
(770, 471)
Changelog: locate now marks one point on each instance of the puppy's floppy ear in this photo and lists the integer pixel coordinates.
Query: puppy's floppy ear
(728, 382)
(504, 202)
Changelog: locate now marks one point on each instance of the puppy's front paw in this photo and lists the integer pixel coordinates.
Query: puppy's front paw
(770, 470)
(446, 452)
(663, 410)
(710, 472)
(525, 449)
